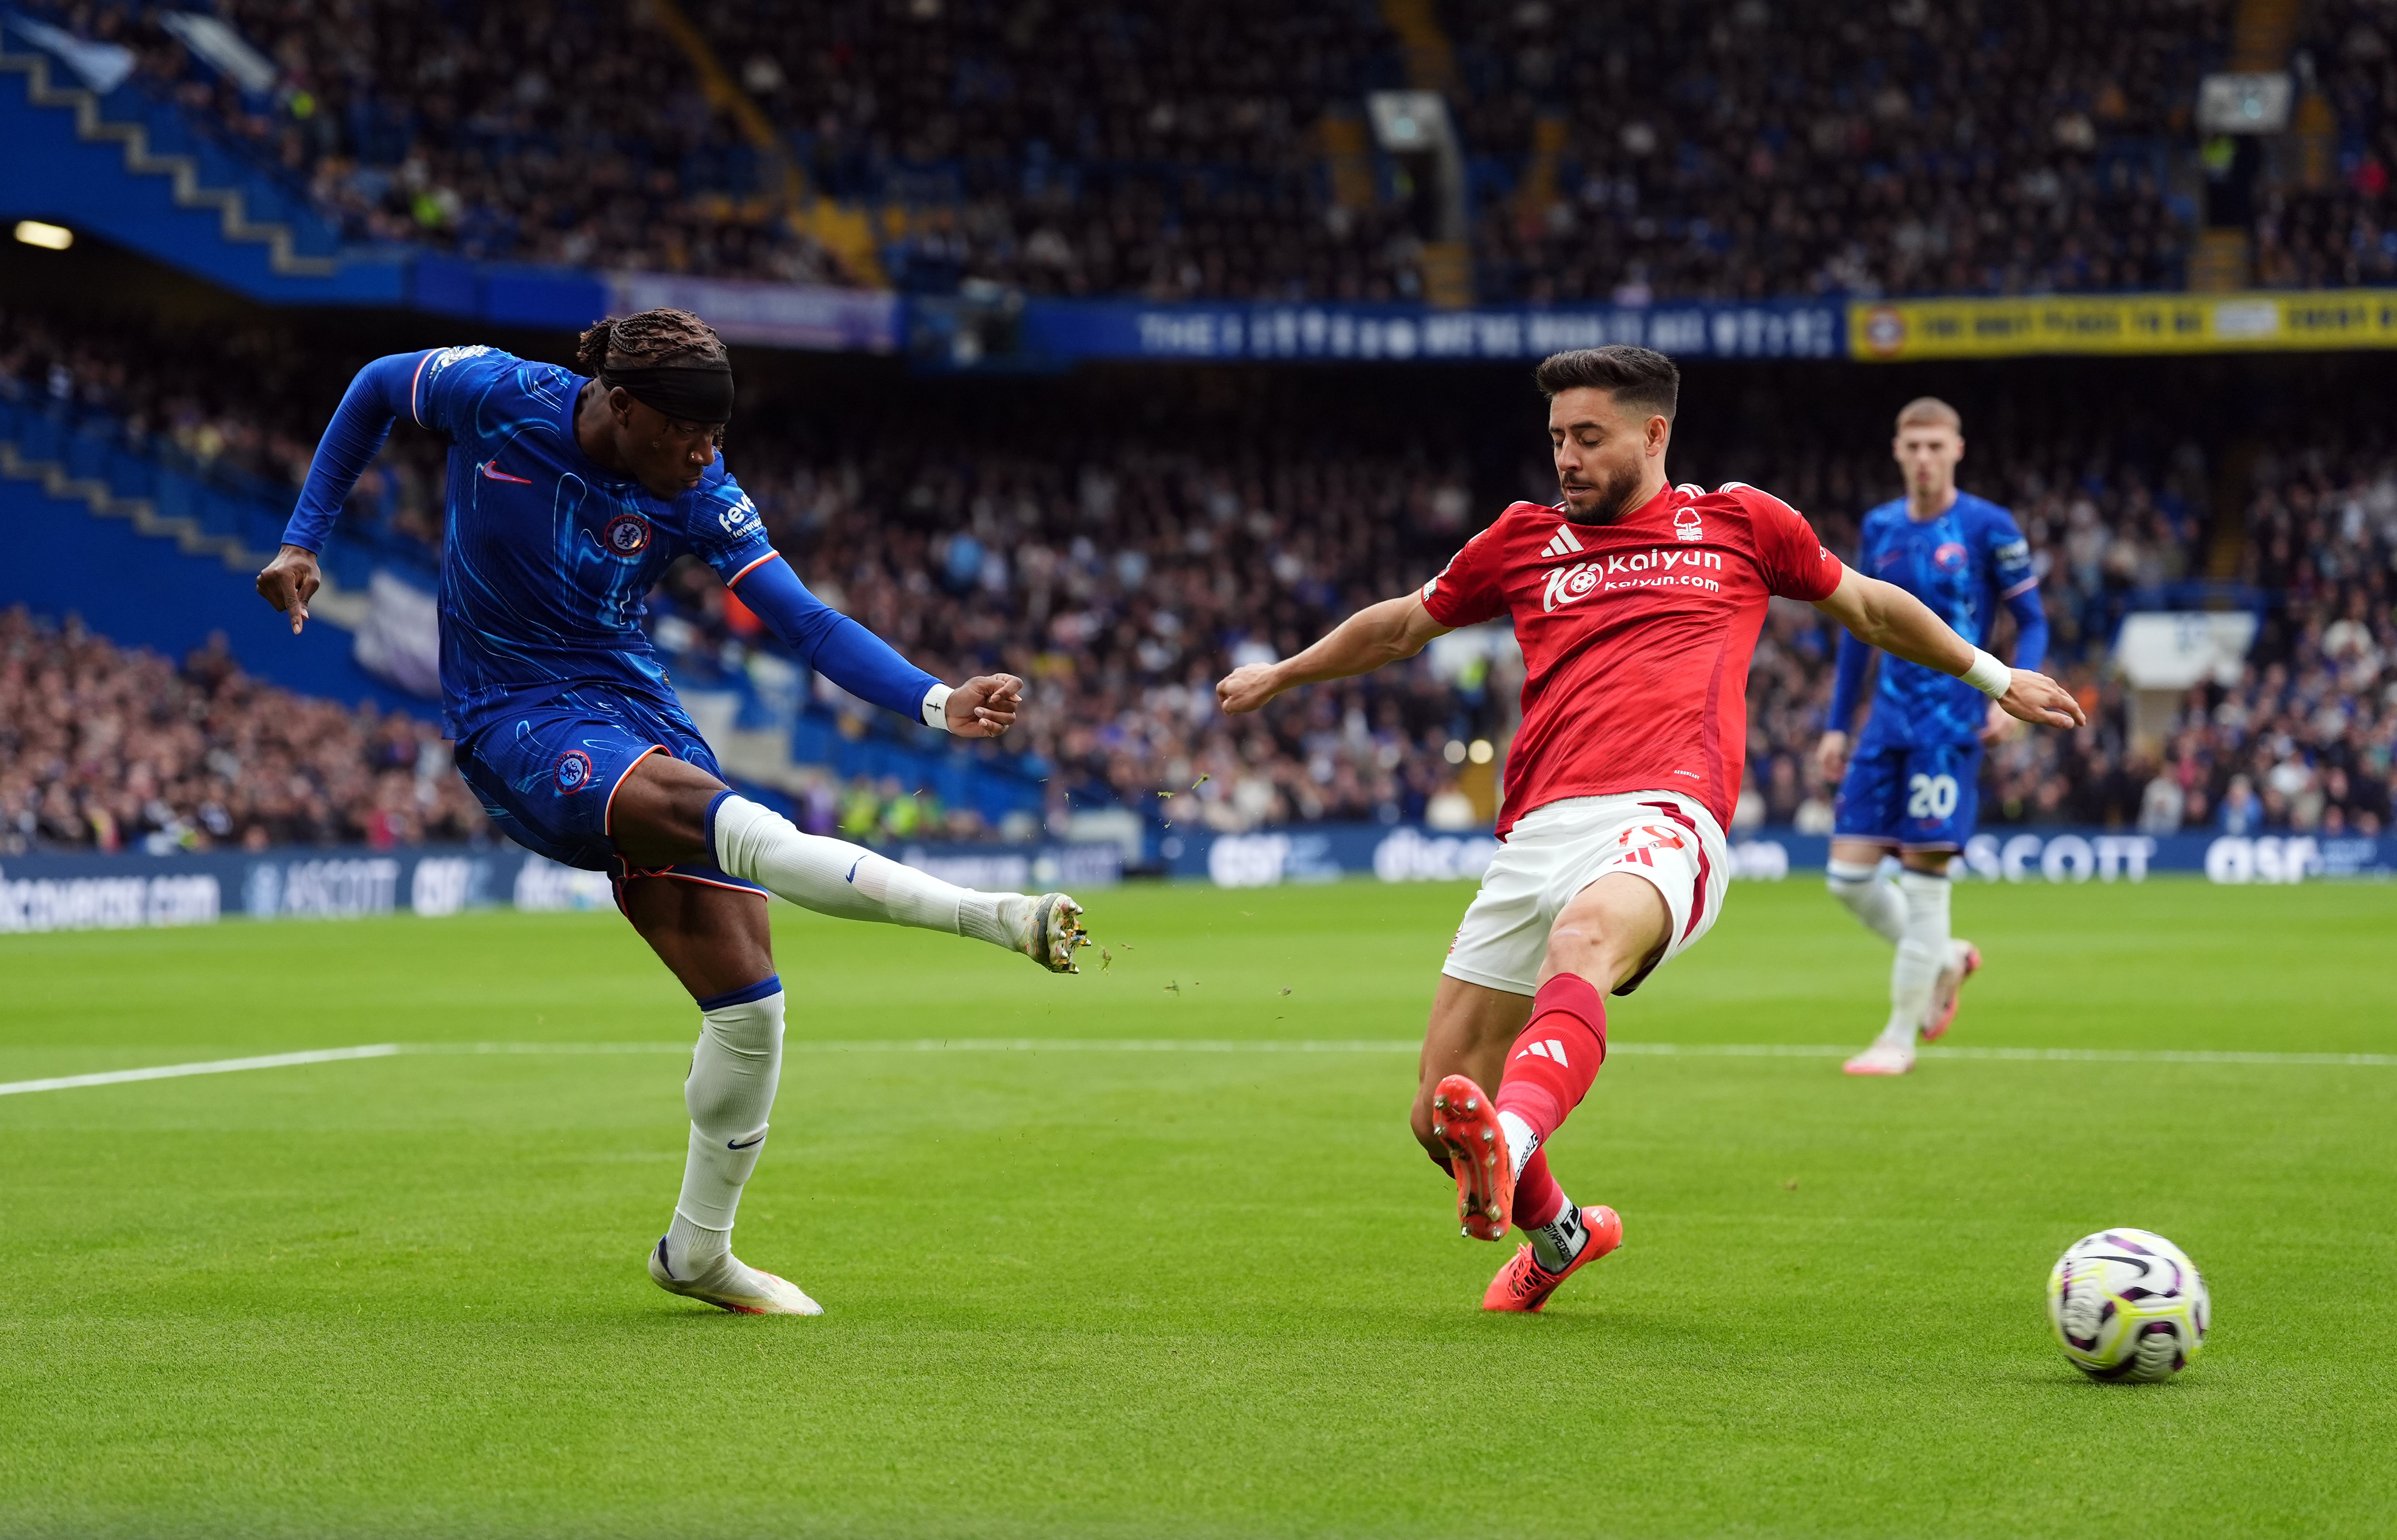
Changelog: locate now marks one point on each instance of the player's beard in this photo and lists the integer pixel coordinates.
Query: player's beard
(1608, 500)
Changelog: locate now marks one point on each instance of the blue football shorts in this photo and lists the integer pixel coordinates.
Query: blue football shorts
(548, 774)
(1918, 797)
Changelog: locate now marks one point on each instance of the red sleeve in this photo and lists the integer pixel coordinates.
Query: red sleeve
(1469, 589)
(1796, 565)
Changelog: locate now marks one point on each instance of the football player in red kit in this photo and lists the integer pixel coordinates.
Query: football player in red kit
(1637, 604)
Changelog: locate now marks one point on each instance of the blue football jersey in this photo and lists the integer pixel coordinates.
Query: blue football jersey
(548, 555)
(1964, 564)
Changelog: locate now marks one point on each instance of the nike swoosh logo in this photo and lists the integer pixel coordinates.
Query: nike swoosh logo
(492, 472)
(737, 1144)
(853, 869)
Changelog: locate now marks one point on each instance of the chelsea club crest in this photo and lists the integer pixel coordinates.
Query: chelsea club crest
(627, 534)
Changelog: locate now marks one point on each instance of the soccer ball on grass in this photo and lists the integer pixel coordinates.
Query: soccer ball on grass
(2128, 1304)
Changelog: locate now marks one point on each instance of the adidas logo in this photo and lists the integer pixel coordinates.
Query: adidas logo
(1564, 544)
(1549, 1050)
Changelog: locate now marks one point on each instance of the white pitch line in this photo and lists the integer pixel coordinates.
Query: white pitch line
(213, 1066)
(1195, 1045)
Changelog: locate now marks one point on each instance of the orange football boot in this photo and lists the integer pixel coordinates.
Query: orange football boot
(1523, 1284)
(1464, 1120)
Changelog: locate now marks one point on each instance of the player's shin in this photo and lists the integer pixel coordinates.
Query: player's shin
(1870, 897)
(735, 1069)
(1922, 952)
(848, 881)
(1552, 1064)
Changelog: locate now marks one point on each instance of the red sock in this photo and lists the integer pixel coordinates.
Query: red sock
(1549, 1070)
(1538, 1200)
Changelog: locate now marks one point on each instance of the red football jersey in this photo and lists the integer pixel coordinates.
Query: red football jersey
(1636, 637)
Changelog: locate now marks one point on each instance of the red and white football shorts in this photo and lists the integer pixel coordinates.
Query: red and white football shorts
(1556, 851)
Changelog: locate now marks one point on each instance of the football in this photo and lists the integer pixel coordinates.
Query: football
(2127, 1305)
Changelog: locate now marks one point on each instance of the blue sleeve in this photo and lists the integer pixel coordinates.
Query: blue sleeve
(2017, 581)
(2031, 627)
(1848, 682)
(377, 396)
(832, 644)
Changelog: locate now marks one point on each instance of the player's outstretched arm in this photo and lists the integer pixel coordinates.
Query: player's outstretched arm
(868, 667)
(1888, 617)
(1378, 634)
(355, 437)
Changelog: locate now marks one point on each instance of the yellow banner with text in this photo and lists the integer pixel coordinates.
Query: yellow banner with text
(1908, 330)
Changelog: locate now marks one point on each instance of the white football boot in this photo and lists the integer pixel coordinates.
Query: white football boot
(1046, 930)
(729, 1284)
(1882, 1058)
(1963, 961)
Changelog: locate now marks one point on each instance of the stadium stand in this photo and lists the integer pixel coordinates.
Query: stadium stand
(1175, 151)
(568, 133)
(1778, 149)
(1124, 569)
(109, 749)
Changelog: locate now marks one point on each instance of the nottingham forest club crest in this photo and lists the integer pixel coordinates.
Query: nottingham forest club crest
(627, 534)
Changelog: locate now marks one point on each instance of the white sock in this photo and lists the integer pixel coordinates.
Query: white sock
(833, 876)
(1521, 1140)
(1872, 897)
(731, 1089)
(1556, 1243)
(1922, 952)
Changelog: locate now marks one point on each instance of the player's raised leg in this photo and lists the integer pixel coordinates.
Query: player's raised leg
(711, 936)
(671, 812)
(1614, 929)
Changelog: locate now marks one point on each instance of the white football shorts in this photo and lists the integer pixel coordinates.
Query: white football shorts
(1556, 851)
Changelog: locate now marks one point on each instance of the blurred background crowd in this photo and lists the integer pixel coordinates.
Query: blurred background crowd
(1178, 149)
(1122, 561)
(102, 748)
(1123, 539)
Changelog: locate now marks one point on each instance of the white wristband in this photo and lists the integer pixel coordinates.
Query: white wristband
(936, 701)
(1988, 674)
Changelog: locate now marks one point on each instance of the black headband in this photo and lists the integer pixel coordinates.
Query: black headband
(689, 392)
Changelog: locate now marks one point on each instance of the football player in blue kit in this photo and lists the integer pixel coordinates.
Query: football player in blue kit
(569, 495)
(1911, 783)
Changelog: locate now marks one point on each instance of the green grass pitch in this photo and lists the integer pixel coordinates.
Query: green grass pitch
(1073, 1291)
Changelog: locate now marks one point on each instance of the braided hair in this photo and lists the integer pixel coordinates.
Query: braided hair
(650, 338)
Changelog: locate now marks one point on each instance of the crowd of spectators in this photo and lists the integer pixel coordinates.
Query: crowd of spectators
(109, 749)
(1171, 149)
(1176, 150)
(571, 131)
(2328, 224)
(1123, 568)
(243, 404)
(1758, 148)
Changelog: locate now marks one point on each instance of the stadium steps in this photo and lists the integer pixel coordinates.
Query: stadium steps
(182, 170)
(2220, 264)
(2234, 483)
(333, 604)
(1431, 58)
(1347, 159)
(846, 232)
(1538, 188)
(2262, 32)
(1447, 271)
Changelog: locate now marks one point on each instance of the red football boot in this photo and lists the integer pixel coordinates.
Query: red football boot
(1523, 1284)
(1464, 1120)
